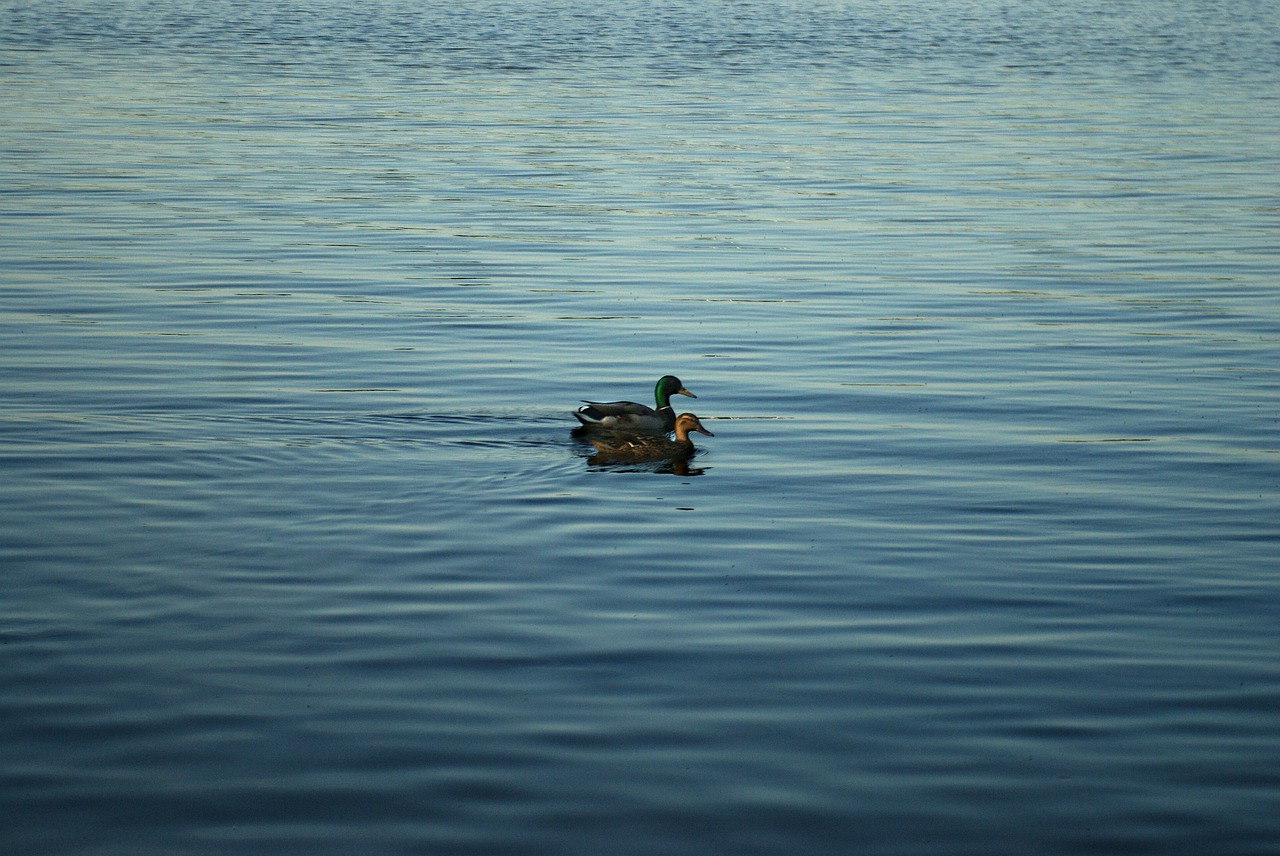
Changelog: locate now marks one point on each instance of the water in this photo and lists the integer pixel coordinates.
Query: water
(979, 299)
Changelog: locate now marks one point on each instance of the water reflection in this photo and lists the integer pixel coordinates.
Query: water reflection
(666, 460)
(676, 466)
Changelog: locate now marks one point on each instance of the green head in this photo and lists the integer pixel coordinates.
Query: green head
(669, 385)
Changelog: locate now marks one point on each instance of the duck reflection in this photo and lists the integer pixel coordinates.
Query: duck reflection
(672, 467)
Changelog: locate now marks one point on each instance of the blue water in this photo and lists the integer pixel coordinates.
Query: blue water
(981, 300)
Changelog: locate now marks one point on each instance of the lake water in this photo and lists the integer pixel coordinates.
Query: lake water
(981, 300)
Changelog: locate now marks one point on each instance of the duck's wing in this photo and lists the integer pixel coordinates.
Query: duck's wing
(601, 409)
(612, 447)
(622, 416)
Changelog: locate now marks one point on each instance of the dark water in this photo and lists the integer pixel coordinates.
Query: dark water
(981, 301)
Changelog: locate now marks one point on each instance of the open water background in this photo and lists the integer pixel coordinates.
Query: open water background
(980, 298)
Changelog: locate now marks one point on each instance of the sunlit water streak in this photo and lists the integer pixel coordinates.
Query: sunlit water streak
(980, 301)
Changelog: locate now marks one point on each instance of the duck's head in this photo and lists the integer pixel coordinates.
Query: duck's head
(669, 385)
(687, 422)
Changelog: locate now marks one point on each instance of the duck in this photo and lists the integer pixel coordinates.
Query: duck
(617, 447)
(628, 417)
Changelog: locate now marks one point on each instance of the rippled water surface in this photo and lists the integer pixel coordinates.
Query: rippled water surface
(981, 300)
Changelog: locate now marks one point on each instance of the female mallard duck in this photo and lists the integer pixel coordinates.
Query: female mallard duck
(627, 417)
(652, 447)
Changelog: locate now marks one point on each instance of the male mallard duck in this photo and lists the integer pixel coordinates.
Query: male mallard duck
(652, 447)
(627, 417)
